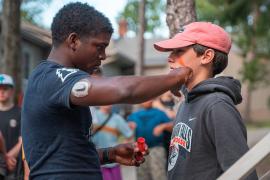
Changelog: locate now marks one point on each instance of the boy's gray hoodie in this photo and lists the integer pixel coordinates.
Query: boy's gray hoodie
(208, 135)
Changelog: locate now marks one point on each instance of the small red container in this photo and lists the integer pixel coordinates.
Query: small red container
(141, 146)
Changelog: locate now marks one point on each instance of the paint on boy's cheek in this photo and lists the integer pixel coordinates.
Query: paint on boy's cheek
(180, 61)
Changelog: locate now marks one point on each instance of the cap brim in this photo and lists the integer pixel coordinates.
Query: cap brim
(170, 44)
(10, 85)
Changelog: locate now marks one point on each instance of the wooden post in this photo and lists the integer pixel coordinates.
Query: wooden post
(140, 62)
(11, 21)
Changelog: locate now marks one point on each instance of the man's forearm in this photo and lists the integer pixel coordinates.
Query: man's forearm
(135, 89)
(147, 88)
(127, 89)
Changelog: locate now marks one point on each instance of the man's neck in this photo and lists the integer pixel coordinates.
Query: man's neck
(59, 56)
(5, 106)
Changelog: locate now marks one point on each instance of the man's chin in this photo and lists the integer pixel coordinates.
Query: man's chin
(93, 70)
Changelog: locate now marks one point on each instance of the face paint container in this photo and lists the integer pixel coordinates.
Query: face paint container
(141, 146)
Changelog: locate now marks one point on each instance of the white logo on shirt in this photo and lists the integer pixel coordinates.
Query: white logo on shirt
(191, 119)
(63, 73)
(181, 141)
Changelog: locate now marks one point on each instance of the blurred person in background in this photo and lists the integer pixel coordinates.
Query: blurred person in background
(144, 122)
(167, 103)
(106, 132)
(97, 73)
(10, 120)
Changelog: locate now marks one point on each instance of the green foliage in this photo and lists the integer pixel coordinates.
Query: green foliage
(206, 11)
(254, 73)
(31, 9)
(154, 8)
(30, 16)
(247, 21)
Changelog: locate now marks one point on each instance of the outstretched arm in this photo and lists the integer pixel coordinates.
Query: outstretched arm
(125, 89)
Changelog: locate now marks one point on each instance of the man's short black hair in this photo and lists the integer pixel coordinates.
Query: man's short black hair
(81, 19)
(220, 60)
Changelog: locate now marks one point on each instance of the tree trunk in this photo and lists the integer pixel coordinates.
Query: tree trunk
(140, 63)
(180, 13)
(11, 20)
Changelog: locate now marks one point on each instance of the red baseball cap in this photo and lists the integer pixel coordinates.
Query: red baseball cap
(203, 33)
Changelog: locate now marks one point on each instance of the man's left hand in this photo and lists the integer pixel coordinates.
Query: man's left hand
(125, 154)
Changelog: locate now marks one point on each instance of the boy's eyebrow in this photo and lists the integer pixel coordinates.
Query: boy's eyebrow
(181, 49)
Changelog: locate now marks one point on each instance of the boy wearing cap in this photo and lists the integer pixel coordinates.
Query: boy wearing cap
(10, 117)
(208, 134)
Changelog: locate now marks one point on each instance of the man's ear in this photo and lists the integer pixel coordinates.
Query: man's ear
(208, 56)
(73, 41)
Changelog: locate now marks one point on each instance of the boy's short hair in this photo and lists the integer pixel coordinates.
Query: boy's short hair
(220, 60)
(79, 18)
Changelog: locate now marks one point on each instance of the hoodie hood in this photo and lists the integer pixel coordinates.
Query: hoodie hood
(227, 85)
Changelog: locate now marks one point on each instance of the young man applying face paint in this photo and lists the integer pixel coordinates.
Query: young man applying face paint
(208, 134)
(56, 116)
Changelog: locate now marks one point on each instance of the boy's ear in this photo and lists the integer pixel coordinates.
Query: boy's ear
(208, 56)
(73, 41)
